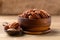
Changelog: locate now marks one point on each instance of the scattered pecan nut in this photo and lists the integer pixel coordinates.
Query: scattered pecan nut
(13, 29)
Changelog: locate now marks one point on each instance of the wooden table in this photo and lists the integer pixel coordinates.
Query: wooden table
(53, 35)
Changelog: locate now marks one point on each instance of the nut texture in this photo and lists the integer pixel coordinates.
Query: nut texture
(34, 14)
(13, 29)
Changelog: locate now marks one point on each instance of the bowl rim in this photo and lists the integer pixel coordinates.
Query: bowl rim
(34, 19)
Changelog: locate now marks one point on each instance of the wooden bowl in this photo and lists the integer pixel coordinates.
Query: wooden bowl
(35, 25)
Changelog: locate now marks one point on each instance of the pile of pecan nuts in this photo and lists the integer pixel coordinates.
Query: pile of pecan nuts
(35, 14)
(15, 28)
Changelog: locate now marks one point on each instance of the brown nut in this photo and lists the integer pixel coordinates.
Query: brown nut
(14, 25)
(13, 29)
(35, 15)
(24, 15)
(30, 17)
(6, 27)
(44, 14)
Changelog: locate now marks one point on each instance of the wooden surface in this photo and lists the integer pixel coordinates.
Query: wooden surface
(53, 35)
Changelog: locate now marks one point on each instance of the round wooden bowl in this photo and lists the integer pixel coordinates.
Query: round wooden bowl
(35, 26)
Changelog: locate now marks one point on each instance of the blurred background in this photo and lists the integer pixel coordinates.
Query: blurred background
(14, 7)
(9, 9)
